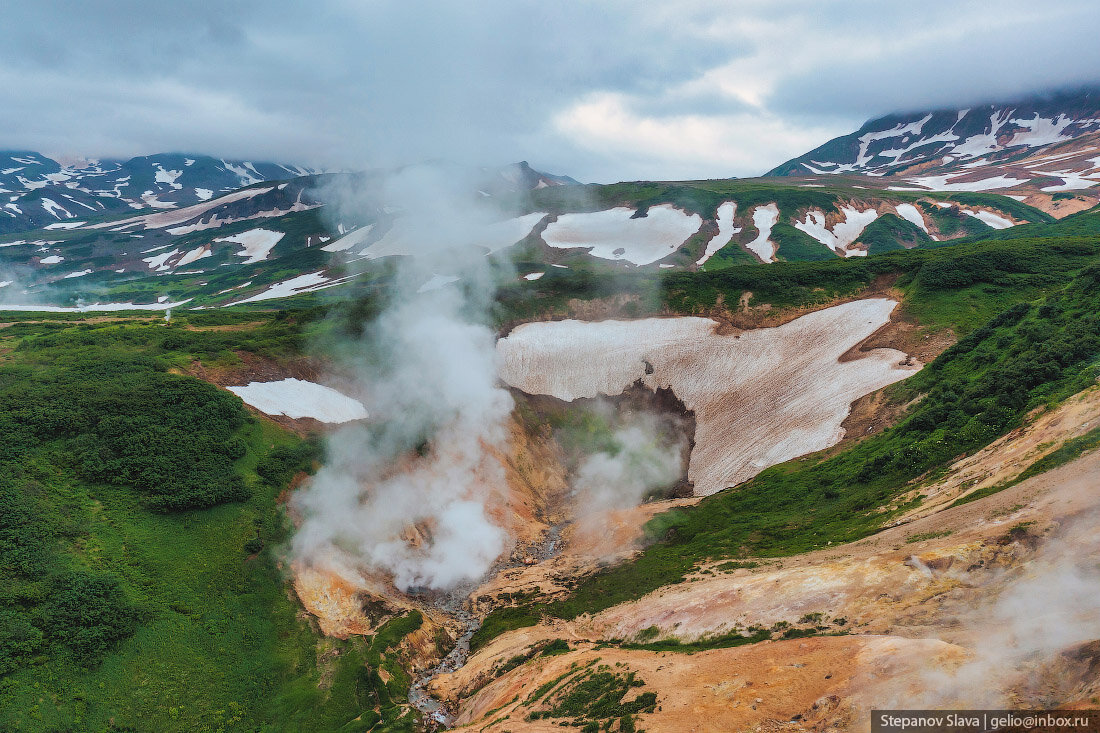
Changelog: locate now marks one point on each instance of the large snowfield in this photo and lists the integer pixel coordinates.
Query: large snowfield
(760, 397)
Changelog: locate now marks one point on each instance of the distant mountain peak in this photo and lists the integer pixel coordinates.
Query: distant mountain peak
(1046, 143)
(39, 190)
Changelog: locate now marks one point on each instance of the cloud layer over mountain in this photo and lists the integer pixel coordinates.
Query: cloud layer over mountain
(602, 91)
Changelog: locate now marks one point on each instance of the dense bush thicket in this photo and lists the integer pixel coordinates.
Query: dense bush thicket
(88, 614)
(284, 461)
(273, 337)
(42, 602)
(113, 417)
(1033, 262)
(122, 419)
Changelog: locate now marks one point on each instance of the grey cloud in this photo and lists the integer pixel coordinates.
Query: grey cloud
(940, 54)
(345, 83)
(378, 82)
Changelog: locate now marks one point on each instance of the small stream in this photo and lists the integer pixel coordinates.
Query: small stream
(453, 604)
(434, 712)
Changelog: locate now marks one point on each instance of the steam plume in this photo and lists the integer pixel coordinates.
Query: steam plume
(407, 493)
(1045, 608)
(644, 453)
(642, 457)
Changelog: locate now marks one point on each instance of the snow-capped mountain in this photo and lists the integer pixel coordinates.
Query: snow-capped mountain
(1035, 146)
(37, 191)
(268, 239)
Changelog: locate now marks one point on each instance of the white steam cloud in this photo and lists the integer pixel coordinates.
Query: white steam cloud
(408, 493)
(1017, 642)
(643, 457)
(645, 453)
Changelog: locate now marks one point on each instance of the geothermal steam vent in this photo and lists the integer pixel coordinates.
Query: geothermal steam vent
(760, 397)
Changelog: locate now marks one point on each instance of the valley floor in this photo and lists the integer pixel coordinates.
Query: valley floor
(922, 612)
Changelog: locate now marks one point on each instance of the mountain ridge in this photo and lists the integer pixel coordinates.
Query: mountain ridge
(1036, 147)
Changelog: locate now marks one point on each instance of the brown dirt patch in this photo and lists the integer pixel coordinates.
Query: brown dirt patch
(1009, 455)
(254, 368)
(870, 414)
(764, 315)
(795, 685)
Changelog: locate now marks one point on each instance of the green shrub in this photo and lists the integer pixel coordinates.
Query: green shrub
(88, 614)
(19, 639)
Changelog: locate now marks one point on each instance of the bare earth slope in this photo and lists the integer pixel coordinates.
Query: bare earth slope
(967, 607)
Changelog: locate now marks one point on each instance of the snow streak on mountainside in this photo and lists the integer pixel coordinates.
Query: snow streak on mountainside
(1048, 145)
(36, 191)
(267, 240)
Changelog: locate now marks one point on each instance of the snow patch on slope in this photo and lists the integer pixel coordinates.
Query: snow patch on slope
(726, 230)
(614, 234)
(353, 239)
(255, 244)
(294, 286)
(296, 398)
(912, 215)
(764, 217)
(989, 218)
(843, 233)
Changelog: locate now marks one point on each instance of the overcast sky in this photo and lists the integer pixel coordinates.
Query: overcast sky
(601, 90)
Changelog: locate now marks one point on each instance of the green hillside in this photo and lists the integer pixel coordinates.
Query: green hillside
(140, 542)
(1028, 312)
(141, 533)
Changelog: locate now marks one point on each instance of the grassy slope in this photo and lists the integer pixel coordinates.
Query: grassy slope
(218, 644)
(219, 641)
(888, 233)
(1013, 357)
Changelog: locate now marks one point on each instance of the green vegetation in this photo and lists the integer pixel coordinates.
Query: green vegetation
(507, 618)
(981, 493)
(978, 389)
(551, 648)
(797, 245)
(1070, 450)
(731, 565)
(594, 697)
(141, 589)
(810, 624)
(718, 641)
(890, 233)
(121, 419)
(922, 536)
(959, 287)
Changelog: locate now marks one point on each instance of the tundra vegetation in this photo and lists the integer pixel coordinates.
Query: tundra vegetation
(140, 524)
(139, 532)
